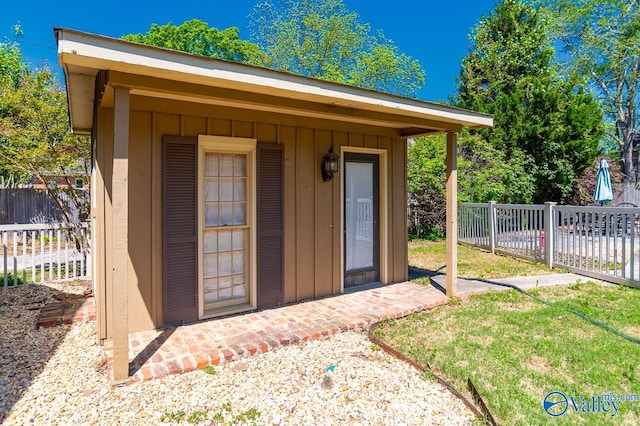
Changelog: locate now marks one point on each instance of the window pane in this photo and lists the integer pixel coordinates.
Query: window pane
(238, 291)
(211, 165)
(240, 189)
(211, 242)
(211, 190)
(226, 189)
(238, 279)
(211, 214)
(210, 265)
(240, 214)
(224, 282)
(224, 264)
(359, 215)
(240, 165)
(238, 240)
(238, 262)
(224, 241)
(226, 164)
(225, 293)
(226, 214)
(210, 290)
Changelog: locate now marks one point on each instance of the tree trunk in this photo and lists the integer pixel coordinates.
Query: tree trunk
(628, 169)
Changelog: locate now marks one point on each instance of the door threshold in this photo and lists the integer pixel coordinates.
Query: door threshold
(359, 287)
(227, 310)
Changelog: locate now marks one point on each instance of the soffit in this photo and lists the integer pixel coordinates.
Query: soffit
(166, 74)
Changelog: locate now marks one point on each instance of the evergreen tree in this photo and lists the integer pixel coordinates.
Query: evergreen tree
(548, 120)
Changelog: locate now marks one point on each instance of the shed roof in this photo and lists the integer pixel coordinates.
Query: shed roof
(169, 74)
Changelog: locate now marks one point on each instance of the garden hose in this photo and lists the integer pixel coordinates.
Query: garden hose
(564, 308)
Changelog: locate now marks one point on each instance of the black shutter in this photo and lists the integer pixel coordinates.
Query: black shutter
(179, 229)
(270, 231)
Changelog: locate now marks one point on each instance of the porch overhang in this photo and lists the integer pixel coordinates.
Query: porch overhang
(167, 74)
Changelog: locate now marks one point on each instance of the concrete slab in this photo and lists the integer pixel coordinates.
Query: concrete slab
(479, 285)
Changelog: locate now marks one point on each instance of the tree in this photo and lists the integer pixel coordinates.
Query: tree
(323, 39)
(601, 40)
(548, 121)
(488, 174)
(196, 37)
(35, 138)
(585, 185)
(485, 174)
(426, 173)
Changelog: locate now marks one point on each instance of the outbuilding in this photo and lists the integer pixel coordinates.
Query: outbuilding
(219, 188)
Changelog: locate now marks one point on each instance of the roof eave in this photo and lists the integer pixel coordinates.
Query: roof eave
(93, 53)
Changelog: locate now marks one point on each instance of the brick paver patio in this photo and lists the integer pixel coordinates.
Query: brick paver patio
(157, 353)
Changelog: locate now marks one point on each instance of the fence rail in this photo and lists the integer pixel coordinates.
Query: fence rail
(601, 242)
(44, 252)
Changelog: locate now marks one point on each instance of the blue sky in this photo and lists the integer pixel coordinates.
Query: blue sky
(434, 32)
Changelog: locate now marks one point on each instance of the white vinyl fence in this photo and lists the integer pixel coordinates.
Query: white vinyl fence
(600, 242)
(44, 252)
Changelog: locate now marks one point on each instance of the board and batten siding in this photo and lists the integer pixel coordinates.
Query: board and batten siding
(311, 239)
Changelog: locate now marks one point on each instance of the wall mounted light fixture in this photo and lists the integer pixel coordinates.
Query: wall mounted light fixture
(329, 165)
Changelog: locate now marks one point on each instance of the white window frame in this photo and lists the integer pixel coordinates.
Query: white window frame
(228, 145)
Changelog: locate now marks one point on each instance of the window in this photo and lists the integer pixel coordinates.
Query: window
(226, 200)
(225, 233)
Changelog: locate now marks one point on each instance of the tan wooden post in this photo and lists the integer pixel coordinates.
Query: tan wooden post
(452, 213)
(120, 227)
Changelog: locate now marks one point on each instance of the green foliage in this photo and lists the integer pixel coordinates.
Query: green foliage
(601, 40)
(10, 279)
(35, 139)
(485, 173)
(426, 174)
(173, 416)
(250, 414)
(545, 123)
(196, 37)
(225, 415)
(197, 417)
(210, 369)
(324, 39)
(12, 66)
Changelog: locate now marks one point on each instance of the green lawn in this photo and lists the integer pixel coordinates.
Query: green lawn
(429, 256)
(516, 350)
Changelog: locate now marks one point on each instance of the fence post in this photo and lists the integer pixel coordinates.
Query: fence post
(492, 227)
(548, 233)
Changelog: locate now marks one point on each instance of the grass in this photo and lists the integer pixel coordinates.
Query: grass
(38, 279)
(516, 350)
(429, 256)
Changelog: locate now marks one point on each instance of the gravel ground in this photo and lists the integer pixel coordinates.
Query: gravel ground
(57, 376)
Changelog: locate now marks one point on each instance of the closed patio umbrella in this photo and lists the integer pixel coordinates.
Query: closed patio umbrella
(603, 192)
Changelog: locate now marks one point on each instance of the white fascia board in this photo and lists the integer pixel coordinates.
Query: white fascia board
(87, 50)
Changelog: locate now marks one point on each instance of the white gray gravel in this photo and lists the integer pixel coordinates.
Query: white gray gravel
(341, 380)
